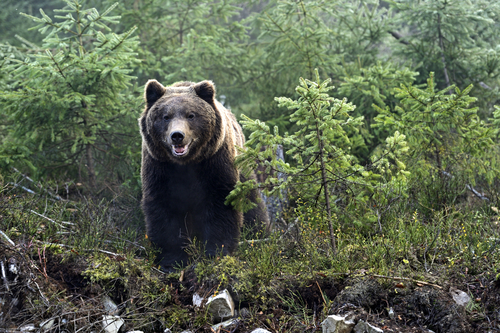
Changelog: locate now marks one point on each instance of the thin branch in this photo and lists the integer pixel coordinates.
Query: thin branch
(38, 185)
(406, 279)
(7, 238)
(4, 276)
(51, 220)
(399, 37)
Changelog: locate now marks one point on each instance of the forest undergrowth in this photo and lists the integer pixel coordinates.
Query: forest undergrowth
(72, 252)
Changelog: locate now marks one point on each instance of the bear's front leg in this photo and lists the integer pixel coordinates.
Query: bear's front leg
(168, 233)
(221, 230)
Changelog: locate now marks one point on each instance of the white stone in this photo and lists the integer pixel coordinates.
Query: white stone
(27, 328)
(260, 330)
(221, 306)
(364, 327)
(391, 313)
(135, 332)
(224, 324)
(460, 297)
(112, 324)
(197, 300)
(337, 324)
(109, 306)
(47, 324)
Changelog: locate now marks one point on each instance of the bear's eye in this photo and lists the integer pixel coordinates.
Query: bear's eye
(166, 118)
(191, 116)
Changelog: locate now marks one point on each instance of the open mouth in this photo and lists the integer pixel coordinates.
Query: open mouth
(179, 150)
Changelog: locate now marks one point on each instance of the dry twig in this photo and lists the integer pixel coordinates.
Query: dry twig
(406, 279)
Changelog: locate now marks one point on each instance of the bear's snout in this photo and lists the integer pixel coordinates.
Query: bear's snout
(177, 137)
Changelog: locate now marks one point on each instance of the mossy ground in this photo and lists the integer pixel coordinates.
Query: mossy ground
(75, 251)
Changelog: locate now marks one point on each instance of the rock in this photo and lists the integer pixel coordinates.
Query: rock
(197, 300)
(221, 306)
(337, 324)
(13, 266)
(364, 327)
(260, 330)
(224, 324)
(47, 324)
(135, 332)
(109, 306)
(112, 324)
(27, 328)
(391, 313)
(435, 304)
(460, 297)
(245, 313)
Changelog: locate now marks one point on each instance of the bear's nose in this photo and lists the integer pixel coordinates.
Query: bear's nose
(177, 137)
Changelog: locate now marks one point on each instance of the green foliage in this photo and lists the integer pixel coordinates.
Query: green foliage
(445, 135)
(11, 20)
(68, 103)
(293, 38)
(323, 175)
(456, 40)
(188, 40)
(374, 85)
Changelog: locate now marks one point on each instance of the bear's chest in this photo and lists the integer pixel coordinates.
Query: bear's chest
(186, 186)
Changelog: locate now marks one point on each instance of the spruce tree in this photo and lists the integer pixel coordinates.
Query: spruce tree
(68, 105)
(454, 39)
(322, 176)
(448, 141)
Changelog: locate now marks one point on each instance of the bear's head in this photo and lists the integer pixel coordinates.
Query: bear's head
(181, 123)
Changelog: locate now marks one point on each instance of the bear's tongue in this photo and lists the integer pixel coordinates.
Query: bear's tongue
(180, 149)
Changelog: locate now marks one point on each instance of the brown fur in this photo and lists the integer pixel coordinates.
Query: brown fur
(188, 152)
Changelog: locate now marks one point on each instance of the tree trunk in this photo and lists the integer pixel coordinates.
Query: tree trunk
(324, 181)
(90, 167)
(443, 59)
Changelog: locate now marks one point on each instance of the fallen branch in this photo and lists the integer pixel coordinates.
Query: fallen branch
(37, 185)
(24, 188)
(470, 188)
(4, 276)
(7, 238)
(51, 220)
(406, 279)
(476, 193)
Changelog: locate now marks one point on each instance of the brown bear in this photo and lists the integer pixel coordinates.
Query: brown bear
(188, 149)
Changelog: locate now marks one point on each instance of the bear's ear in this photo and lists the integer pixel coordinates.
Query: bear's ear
(206, 91)
(153, 91)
